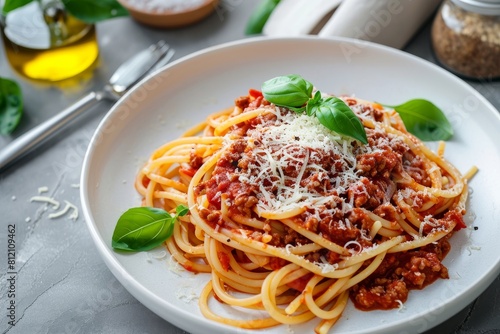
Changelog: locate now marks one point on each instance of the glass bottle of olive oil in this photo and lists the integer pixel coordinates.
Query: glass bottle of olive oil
(44, 42)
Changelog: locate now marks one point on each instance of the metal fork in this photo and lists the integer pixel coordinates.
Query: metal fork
(124, 78)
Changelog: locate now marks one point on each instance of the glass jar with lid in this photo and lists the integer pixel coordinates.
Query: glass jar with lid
(466, 37)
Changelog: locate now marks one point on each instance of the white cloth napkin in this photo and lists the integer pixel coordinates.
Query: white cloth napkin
(388, 22)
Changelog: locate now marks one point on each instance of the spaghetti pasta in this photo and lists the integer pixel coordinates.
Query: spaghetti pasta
(294, 219)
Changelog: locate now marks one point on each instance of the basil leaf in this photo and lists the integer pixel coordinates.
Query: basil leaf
(259, 16)
(334, 114)
(424, 119)
(292, 92)
(297, 110)
(92, 11)
(10, 5)
(181, 210)
(11, 105)
(314, 102)
(287, 91)
(143, 228)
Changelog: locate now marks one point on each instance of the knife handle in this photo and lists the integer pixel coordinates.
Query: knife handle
(29, 140)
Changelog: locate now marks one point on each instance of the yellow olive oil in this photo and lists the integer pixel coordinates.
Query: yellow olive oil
(46, 43)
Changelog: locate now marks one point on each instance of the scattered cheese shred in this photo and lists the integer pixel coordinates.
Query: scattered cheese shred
(46, 199)
(325, 266)
(55, 204)
(401, 306)
(174, 266)
(67, 207)
(43, 189)
(157, 256)
(188, 296)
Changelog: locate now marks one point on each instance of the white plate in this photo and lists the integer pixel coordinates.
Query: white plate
(189, 89)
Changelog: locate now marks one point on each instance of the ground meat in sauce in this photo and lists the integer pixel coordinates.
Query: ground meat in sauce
(384, 294)
(378, 163)
(390, 283)
(242, 102)
(338, 232)
(414, 167)
(367, 194)
(385, 159)
(386, 211)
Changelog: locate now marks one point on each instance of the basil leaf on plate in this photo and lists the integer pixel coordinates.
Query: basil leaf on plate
(181, 210)
(425, 120)
(314, 102)
(11, 105)
(335, 115)
(287, 91)
(144, 228)
(294, 92)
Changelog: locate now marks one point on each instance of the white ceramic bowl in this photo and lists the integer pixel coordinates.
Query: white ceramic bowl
(168, 18)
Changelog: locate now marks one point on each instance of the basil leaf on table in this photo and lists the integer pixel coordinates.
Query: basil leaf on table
(334, 114)
(92, 11)
(259, 16)
(287, 91)
(11, 105)
(424, 119)
(144, 228)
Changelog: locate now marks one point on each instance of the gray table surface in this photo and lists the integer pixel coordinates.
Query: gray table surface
(62, 284)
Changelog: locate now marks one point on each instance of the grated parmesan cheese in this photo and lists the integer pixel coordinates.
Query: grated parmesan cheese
(327, 267)
(174, 266)
(472, 247)
(156, 256)
(401, 306)
(352, 251)
(67, 207)
(46, 199)
(188, 296)
(298, 142)
(55, 205)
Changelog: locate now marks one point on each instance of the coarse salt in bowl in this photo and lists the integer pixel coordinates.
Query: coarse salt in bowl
(169, 13)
